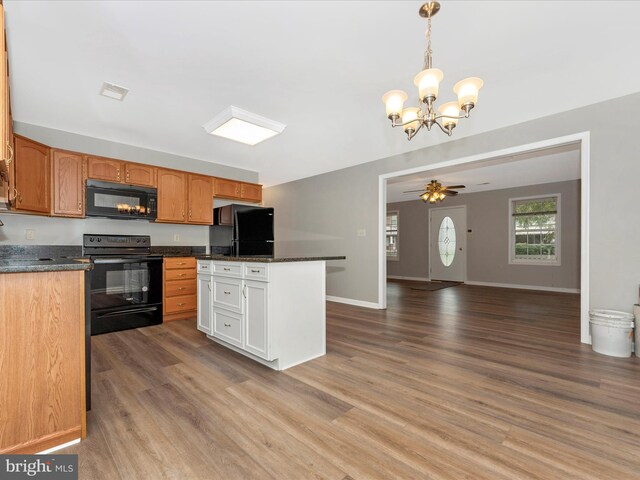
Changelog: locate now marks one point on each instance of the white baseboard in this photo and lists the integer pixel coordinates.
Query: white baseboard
(351, 301)
(59, 447)
(415, 279)
(524, 287)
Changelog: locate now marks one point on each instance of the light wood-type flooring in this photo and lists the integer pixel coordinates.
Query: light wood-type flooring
(466, 382)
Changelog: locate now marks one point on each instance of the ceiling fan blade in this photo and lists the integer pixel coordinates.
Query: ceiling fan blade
(454, 186)
(414, 191)
(450, 193)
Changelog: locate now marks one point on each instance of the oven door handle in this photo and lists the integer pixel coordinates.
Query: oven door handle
(133, 310)
(127, 260)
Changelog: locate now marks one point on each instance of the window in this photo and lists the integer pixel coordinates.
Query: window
(392, 235)
(535, 230)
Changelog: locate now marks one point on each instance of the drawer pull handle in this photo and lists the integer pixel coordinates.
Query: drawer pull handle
(181, 304)
(227, 293)
(226, 269)
(181, 274)
(181, 288)
(227, 324)
(255, 271)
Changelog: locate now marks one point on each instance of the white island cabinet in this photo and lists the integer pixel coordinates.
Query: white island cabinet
(273, 312)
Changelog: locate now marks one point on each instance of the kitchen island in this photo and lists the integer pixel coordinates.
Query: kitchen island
(42, 354)
(269, 309)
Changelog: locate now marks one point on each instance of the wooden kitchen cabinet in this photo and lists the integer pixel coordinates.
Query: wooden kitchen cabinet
(138, 174)
(200, 200)
(172, 196)
(32, 181)
(105, 169)
(69, 174)
(180, 297)
(227, 188)
(251, 192)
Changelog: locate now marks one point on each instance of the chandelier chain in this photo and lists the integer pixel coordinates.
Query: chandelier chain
(428, 52)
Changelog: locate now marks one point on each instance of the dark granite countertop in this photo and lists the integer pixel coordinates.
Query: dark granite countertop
(19, 265)
(269, 259)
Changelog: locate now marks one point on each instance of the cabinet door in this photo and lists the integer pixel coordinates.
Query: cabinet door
(200, 200)
(256, 331)
(106, 169)
(172, 196)
(204, 304)
(68, 184)
(227, 188)
(32, 176)
(251, 192)
(137, 174)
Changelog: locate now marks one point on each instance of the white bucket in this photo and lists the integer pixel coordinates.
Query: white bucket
(611, 332)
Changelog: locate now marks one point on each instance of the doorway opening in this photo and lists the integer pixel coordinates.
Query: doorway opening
(518, 246)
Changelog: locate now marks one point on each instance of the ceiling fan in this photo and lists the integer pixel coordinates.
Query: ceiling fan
(435, 192)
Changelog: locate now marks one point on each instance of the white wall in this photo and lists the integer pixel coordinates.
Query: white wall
(324, 213)
(69, 231)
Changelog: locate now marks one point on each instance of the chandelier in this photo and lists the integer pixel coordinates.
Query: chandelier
(412, 119)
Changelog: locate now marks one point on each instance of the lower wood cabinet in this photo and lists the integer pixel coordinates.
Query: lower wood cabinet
(273, 313)
(180, 287)
(69, 175)
(42, 360)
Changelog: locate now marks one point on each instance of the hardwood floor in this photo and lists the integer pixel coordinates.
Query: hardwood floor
(465, 382)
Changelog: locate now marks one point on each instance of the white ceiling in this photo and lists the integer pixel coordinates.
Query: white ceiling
(532, 168)
(319, 67)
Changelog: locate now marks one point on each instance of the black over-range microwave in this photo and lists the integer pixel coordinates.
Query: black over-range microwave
(114, 200)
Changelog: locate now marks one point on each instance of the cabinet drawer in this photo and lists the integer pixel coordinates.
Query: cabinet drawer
(205, 267)
(183, 303)
(256, 271)
(182, 274)
(180, 287)
(227, 293)
(227, 327)
(179, 262)
(228, 269)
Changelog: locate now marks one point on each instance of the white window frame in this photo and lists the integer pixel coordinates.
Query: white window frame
(512, 236)
(397, 256)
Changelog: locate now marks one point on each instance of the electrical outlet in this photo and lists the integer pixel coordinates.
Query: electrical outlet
(362, 232)
(30, 234)
(176, 237)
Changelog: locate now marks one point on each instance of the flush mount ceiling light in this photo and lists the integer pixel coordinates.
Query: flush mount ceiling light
(428, 80)
(111, 90)
(242, 126)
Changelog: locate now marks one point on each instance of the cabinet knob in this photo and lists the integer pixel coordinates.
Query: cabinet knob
(79, 206)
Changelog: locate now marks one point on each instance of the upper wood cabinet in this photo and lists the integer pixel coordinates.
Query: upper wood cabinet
(138, 174)
(172, 196)
(251, 192)
(107, 169)
(32, 176)
(200, 199)
(69, 173)
(226, 188)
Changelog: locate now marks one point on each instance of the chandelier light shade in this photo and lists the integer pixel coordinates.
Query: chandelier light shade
(412, 119)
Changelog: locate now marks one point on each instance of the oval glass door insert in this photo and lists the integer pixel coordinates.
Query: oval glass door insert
(447, 241)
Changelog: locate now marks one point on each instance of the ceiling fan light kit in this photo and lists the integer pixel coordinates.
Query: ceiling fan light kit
(412, 119)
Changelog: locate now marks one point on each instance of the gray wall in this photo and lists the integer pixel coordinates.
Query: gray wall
(488, 244)
(66, 231)
(323, 213)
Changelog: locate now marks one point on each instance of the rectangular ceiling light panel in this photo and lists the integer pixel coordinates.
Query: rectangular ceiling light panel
(111, 90)
(242, 126)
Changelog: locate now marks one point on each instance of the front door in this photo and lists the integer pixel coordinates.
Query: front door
(448, 243)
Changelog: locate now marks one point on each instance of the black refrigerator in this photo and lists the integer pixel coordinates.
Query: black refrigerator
(242, 230)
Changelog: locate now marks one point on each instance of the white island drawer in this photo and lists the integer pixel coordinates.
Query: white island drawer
(228, 269)
(256, 271)
(205, 266)
(227, 327)
(227, 293)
